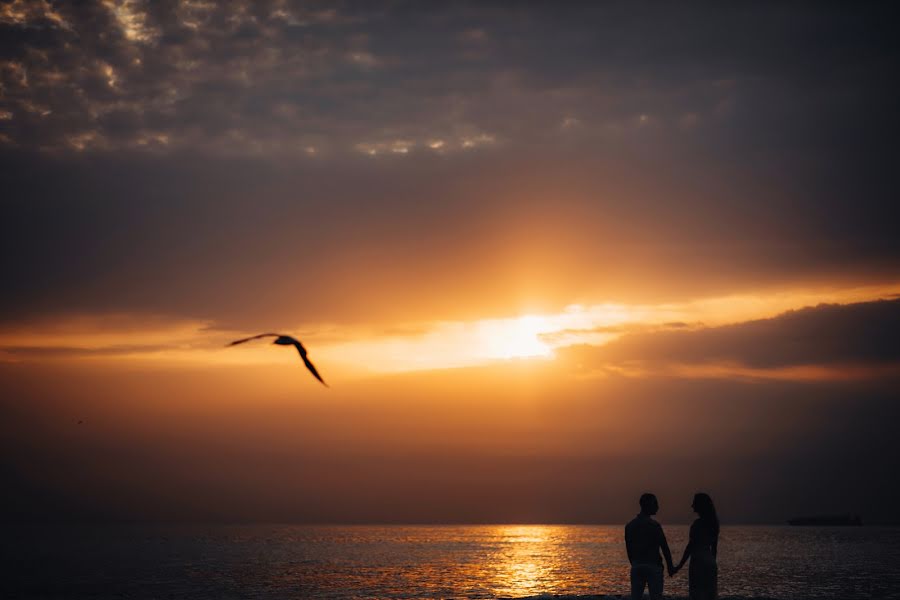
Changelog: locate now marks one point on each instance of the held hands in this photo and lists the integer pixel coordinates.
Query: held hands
(673, 571)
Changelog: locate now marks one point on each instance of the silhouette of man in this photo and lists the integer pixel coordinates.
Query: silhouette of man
(644, 538)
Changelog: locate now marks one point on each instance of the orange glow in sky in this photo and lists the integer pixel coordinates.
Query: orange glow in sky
(418, 346)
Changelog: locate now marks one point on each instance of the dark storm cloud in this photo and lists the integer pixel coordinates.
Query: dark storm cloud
(175, 156)
(281, 77)
(831, 335)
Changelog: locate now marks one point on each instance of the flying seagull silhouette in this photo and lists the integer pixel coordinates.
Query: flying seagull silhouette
(286, 340)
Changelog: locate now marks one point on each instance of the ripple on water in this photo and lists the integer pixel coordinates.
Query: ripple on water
(430, 562)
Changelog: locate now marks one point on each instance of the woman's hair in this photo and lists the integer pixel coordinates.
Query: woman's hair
(704, 506)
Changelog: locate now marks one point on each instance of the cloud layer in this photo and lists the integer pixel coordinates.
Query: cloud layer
(827, 336)
(385, 161)
(301, 79)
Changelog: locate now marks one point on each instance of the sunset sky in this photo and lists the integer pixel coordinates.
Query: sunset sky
(548, 256)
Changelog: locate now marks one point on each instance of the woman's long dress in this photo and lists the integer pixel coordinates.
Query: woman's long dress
(703, 573)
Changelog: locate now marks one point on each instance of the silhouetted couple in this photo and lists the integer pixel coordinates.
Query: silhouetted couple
(644, 540)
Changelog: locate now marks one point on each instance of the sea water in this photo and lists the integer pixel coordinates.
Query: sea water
(478, 561)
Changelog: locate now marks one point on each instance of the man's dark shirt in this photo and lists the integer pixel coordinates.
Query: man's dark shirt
(643, 539)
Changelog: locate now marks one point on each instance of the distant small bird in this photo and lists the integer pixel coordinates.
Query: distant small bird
(286, 340)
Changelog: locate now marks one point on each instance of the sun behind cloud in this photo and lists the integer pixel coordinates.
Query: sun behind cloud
(518, 338)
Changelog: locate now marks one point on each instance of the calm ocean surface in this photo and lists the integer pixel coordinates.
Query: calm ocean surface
(286, 561)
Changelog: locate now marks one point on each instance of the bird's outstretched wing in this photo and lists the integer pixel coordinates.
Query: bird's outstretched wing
(309, 365)
(285, 340)
(255, 337)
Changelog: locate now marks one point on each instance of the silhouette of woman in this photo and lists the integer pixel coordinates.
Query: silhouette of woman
(703, 573)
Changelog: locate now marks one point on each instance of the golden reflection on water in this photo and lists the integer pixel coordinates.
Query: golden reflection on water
(473, 561)
(448, 561)
(522, 567)
(530, 560)
(478, 562)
